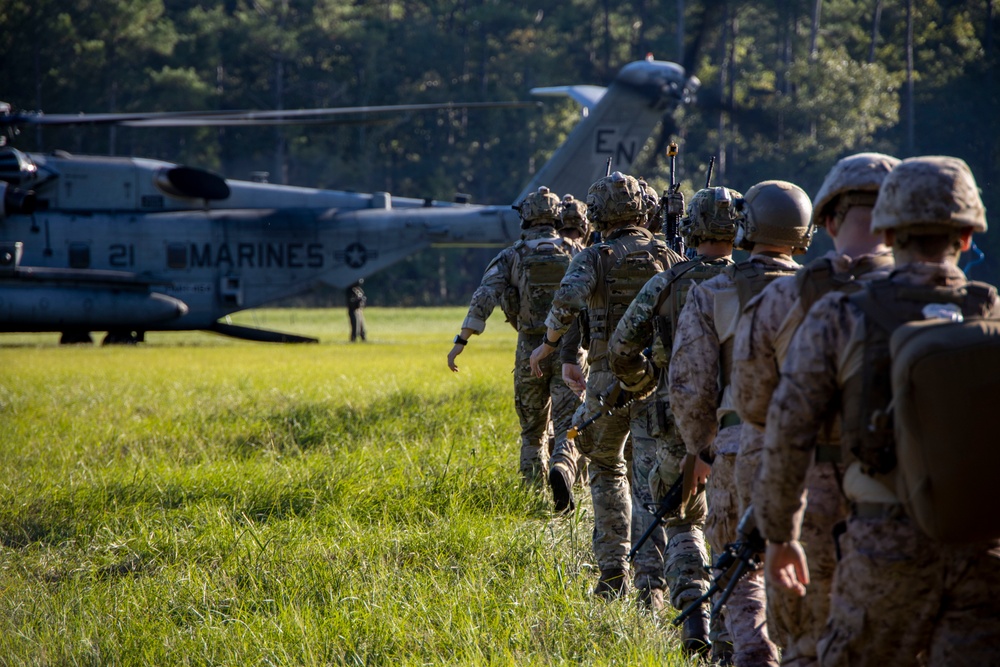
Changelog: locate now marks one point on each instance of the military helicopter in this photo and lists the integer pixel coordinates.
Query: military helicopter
(130, 245)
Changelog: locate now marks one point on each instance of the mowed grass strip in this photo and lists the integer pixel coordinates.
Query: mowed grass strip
(198, 500)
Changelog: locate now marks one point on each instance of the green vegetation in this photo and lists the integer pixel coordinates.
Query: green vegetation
(787, 89)
(199, 500)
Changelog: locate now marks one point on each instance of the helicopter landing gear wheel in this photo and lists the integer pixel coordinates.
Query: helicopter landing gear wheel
(120, 337)
(76, 338)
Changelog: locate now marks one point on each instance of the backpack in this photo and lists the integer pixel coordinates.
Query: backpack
(542, 263)
(625, 267)
(935, 426)
(672, 298)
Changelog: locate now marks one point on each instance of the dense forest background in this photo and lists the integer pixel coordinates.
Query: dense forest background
(788, 87)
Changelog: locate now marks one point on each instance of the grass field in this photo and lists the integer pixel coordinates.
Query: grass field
(200, 500)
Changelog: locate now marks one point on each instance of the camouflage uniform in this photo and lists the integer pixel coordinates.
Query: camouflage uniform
(708, 422)
(898, 597)
(676, 554)
(890, 598)
(762, 338)
(604, 442)
(533, 395)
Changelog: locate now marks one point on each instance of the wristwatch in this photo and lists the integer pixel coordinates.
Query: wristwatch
(459, 340)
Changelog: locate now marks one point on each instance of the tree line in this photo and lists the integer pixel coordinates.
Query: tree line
(788, 87)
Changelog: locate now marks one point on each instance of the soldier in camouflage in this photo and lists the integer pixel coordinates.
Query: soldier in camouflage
(647, 329)
(524, 295)
(843, 208)
(604, 279)
(776, 225)
(899, 597)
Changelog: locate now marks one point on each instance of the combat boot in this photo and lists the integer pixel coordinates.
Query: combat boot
(722, 653)
(694, 633)
(562, 489)
(651, 599)
(613, 584)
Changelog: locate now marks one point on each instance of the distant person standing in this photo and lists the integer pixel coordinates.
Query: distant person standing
(356, 301)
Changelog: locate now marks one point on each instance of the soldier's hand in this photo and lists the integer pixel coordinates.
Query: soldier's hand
(785, 566)
(455, 351)
(537, 355)
(572, 375)
(701, 469)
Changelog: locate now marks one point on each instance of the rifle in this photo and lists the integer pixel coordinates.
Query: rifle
(673, 205)
(611, 403)
(668, 506)
(737, 560)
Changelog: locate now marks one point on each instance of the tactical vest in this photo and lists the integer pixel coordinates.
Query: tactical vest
(819, 277)
(540, 267)
(672, 298)
(923, 404)
(750, 279)
(813, 281)
(625, 265)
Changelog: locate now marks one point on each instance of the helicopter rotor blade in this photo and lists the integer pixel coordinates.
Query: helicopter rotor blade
(329, 115)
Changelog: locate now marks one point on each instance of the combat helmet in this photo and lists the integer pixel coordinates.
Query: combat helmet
(854, 181)
(573, 215)
(652, 202)
(775, 213)
(930, 194)
(538, 208)
(712, 215)
(615, 200)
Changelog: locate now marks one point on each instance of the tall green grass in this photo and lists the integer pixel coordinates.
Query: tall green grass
(199, 500)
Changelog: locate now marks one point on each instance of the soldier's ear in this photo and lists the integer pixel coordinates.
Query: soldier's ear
(965, 236)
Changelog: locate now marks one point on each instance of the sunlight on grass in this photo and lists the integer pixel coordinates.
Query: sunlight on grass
(202, 500)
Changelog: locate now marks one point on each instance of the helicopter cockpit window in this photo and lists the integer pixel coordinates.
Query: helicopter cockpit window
(177, 256)
(79, 256)
(15, 167)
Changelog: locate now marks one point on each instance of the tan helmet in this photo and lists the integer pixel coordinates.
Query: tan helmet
(614, 201)
(929, 193)
(712, 215)
(573, 214)
(776, 213)
(853, 181)
(538, 208)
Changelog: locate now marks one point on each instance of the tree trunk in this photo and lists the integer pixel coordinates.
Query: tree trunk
(876, 19)
(910, 118)
(814, 33)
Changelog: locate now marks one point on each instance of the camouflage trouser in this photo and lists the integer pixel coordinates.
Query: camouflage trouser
(604, 444)
(796, 622)
(901, 599)
(745, 612)
(533, 396)
(684, 567)
(648, 562)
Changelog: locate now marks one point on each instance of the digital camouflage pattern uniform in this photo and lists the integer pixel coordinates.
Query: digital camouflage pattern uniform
(676, 554)
(762, 338)
(604, 442)
(533, 395)
(706, 418)
(899, 597)
(896, 594)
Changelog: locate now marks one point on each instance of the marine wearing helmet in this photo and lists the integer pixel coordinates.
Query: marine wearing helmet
(776, 213)
(573, 216)
(934, 198)
(538, 208)
(712, 215)
(854, 181)
(616, 201)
